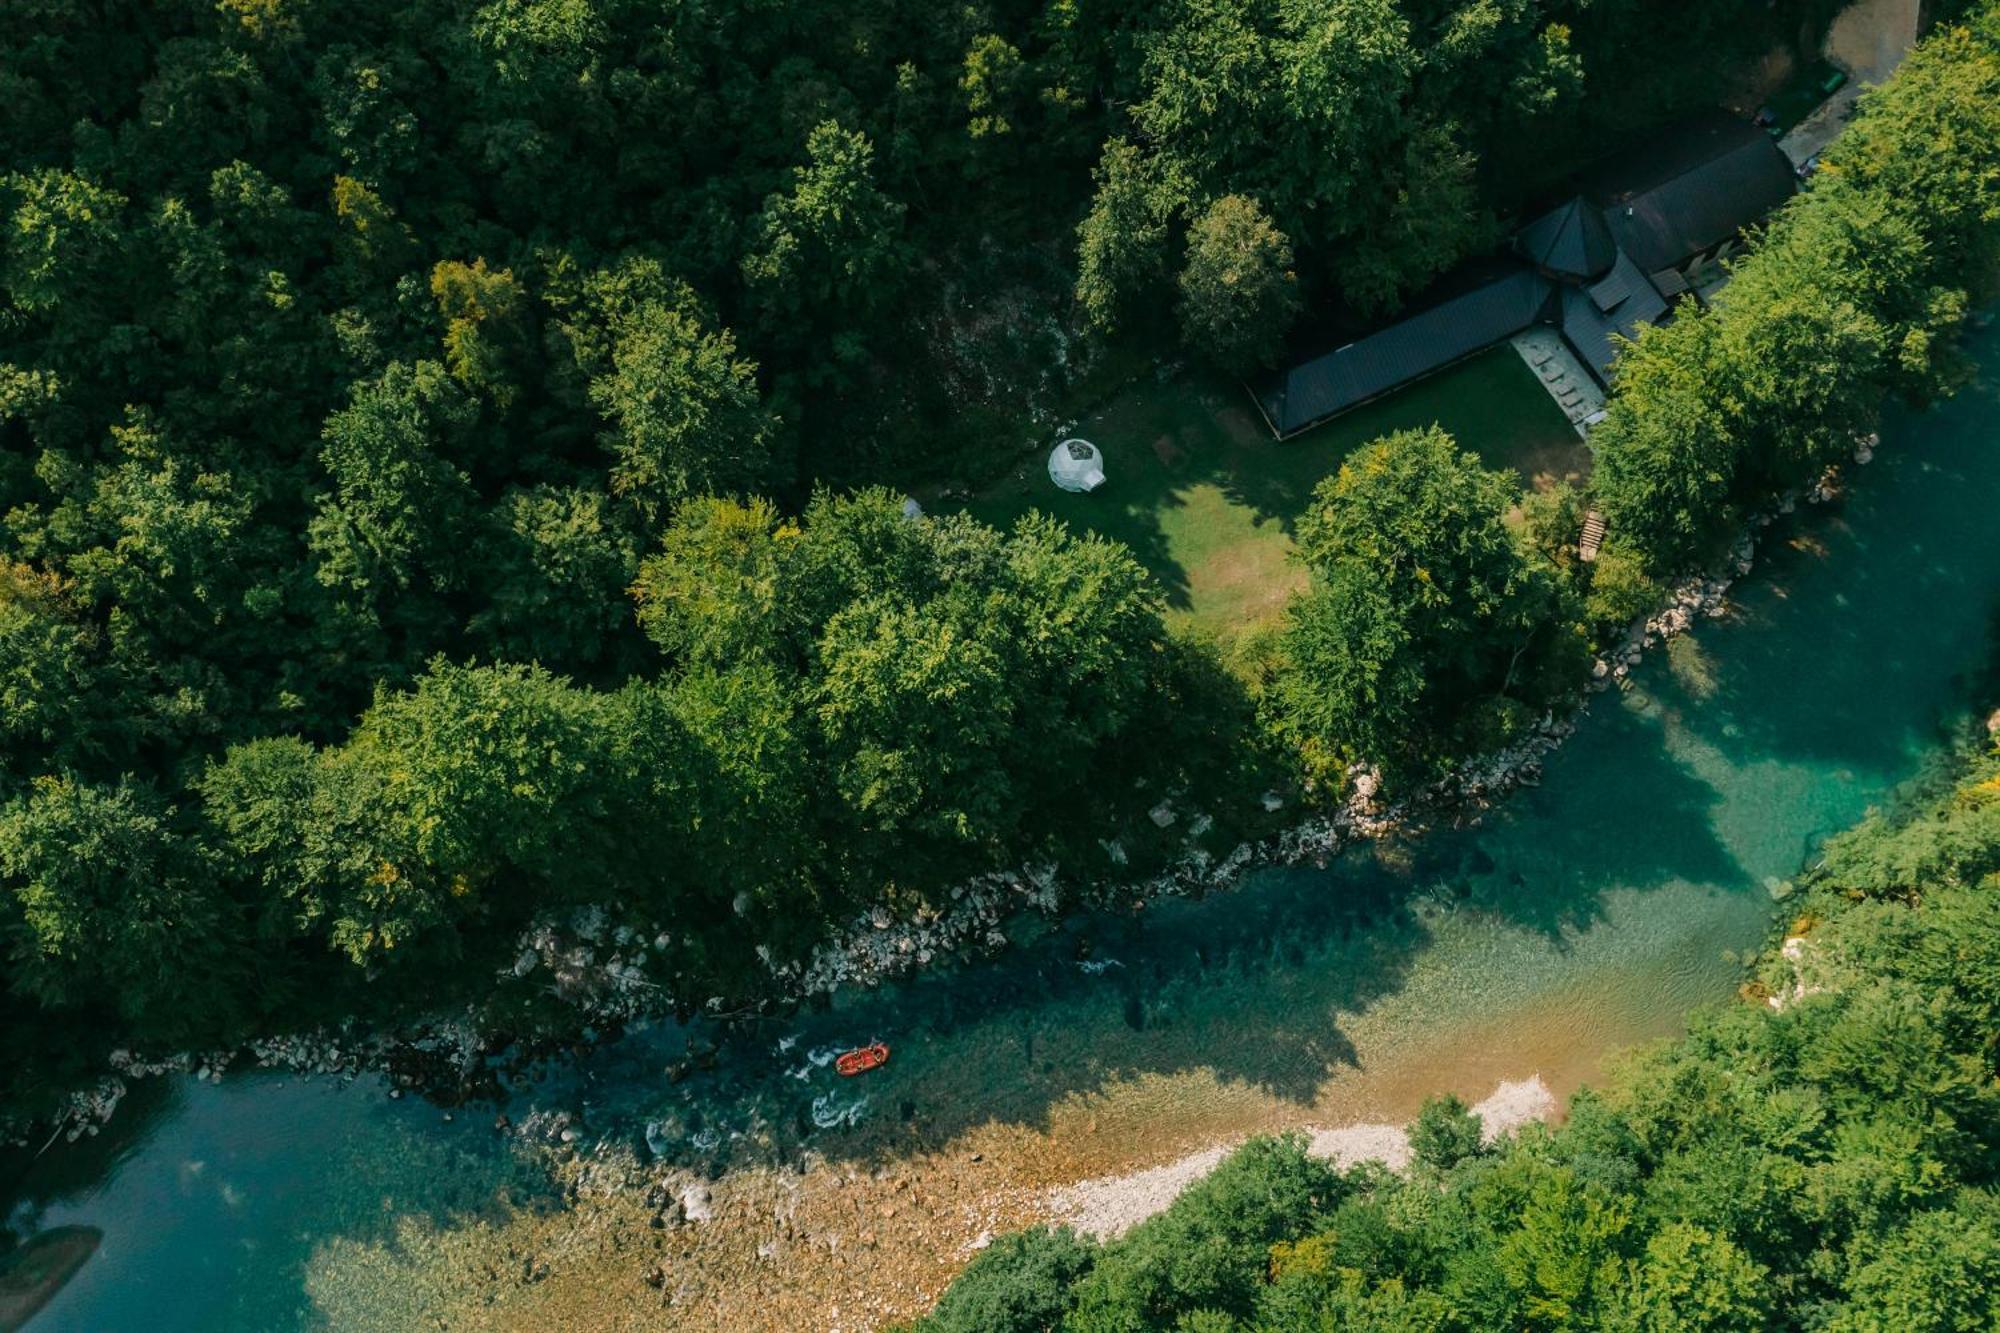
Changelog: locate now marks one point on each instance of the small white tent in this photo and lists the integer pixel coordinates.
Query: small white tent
(1075, 465)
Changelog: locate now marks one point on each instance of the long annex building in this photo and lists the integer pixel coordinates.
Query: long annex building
(1602, 263)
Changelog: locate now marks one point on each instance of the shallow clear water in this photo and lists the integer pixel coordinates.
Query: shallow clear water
(1583, 916)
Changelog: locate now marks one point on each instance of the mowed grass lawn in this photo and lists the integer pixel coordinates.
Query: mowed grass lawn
(1205, 498)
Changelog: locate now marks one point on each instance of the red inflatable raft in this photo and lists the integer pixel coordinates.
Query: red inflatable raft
(862, 1059)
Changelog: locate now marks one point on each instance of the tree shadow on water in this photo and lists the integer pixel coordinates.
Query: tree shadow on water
(1618, 810)
(1866, 627)
(1248, 989)
(1242, 988)
(215, 1200)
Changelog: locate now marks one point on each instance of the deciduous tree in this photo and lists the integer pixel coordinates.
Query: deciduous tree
(1425, 615)
(1239, 294)
(114, 909)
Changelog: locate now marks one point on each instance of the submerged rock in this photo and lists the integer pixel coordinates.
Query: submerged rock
(657, 1141)
(829, 1112)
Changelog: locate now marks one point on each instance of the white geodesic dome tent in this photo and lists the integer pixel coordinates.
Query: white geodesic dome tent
(1076, 465)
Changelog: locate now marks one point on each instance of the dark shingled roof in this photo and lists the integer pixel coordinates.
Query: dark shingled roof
(1584, 267)
(1699, 200)
(1569, 242)
(1509, 300)
(1621, 301)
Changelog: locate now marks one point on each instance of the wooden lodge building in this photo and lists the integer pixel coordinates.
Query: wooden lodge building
(1605, 261)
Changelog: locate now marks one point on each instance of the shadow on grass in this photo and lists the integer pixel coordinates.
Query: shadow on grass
(1206, 499)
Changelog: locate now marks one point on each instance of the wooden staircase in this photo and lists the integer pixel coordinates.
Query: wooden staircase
(1593, 536)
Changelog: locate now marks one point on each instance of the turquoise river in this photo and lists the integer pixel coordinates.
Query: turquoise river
(1581, 917)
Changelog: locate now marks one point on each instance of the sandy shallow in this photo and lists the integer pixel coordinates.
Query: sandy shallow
(1110, 1205)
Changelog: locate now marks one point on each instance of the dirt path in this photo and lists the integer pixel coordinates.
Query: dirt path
(1870, 38)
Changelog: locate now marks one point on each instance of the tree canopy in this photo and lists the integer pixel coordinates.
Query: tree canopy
(1827, 1161)
(439, 439)
(1427, 617)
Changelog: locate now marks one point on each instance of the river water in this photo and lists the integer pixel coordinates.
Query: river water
(1582, 917)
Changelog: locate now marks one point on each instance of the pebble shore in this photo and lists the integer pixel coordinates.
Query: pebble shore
(1112, 1205)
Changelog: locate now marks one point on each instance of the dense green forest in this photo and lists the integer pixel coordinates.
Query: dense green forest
(1851, 295)
(1437, 624)
(1827, 1163)
(387, 392)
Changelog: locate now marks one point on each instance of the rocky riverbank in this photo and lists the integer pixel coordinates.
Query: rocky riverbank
(599, 971)
(450, 1061)
(876, 946)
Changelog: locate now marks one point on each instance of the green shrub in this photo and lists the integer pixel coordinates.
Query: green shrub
(1620, 590)
(1211, 1249)
(1444, 1133)
(1022, 1283)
